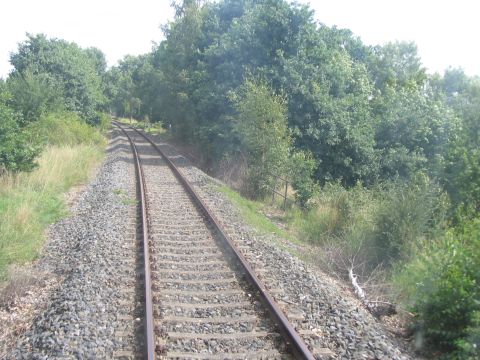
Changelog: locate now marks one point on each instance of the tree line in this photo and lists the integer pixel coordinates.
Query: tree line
(364, 114)
(261, 89)
(49, 76)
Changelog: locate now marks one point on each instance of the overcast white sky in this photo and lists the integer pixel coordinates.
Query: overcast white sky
(446, 32)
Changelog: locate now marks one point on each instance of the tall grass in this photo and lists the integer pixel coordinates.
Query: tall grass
(31, 201)
(66, 128)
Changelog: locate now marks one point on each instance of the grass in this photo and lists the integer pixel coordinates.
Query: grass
(123, 196)
(29, 202)
(252, 213)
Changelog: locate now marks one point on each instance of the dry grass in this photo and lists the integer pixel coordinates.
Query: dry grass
(29, 202)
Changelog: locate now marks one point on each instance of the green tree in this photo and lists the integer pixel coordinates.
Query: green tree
(34, 95)
(462, 170)
(396, 65)
(445, 293)
(70, 69)
(261, 124)
(413, 132)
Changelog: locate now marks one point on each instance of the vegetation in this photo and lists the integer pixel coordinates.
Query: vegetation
(442, 286)
(47, 142)
(17, 153)
(383, 158)
(52, 73)
(262, 128)
(30, 202)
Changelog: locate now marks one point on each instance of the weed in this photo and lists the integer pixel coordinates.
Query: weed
(127, 201)
(29, 202)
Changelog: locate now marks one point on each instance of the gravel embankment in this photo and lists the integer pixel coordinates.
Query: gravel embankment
(93, 313)
(329, 318)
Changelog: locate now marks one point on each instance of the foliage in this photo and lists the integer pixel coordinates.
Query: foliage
(396, 66)
(34, 95)
(17, 152)
(443, 290)
(65, 128)
(362, 113)
(462, 171)
(413, 133)
(121, 81)
(103, 123)
(262, 128)
(66, 68)
(336, 214)
(408, 213)
(301, 169)
(463, 180)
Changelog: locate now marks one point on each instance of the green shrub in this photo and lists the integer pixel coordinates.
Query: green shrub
(302, 167)
(337, 211)
(34, 95)
(408, 212)
(102, 122)
(17, 151)
(65, 128)
(442, 285)
(261, 124)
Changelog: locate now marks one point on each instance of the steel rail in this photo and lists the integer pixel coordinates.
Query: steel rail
(296, 343)
(149, 328)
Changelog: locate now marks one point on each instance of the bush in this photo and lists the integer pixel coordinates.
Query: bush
(408, 212)
(101, 121)
(302, 167)
(262, 127)
(17, 151)
(336, 212)
(65, 128)
(442, 285)
(34, 95)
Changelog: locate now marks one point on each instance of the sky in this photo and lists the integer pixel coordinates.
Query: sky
(445, 31)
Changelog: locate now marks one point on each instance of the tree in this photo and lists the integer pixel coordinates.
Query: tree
(261, 124)
(34, 95)
(413, 132)
(462, 170)
(396, 65)
(70, 69)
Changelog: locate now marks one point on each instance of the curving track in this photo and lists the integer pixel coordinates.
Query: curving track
(202, 298)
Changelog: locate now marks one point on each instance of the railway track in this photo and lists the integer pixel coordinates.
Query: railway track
(202, 298)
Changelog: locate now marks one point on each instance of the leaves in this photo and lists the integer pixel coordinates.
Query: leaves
(72, 77)
(17, 153)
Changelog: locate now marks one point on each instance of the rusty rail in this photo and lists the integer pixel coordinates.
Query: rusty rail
(296, 343)
(149, 328)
